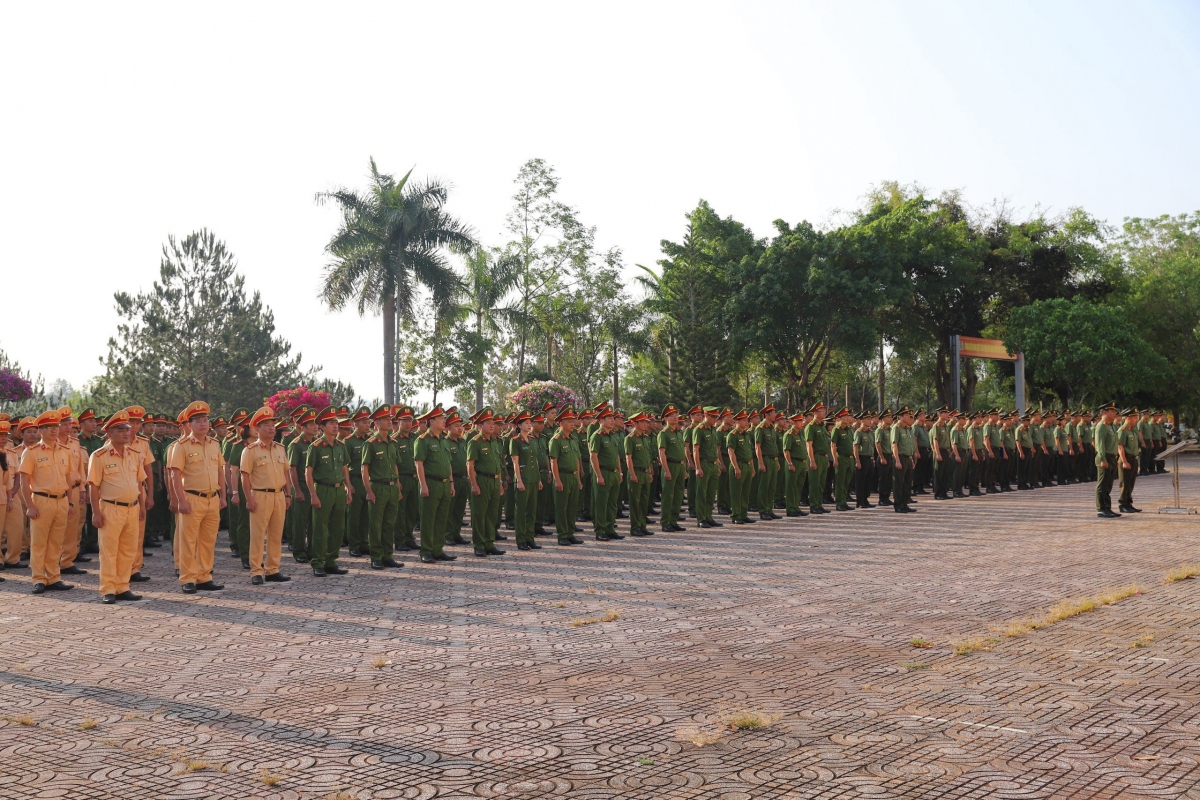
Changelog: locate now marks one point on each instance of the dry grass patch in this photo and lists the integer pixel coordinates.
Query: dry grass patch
(88, 724)
(194, 765)
(973, 644)
(912, 666)
(1142, 641)
(698, 736)
(749, 720)
(269, 778)
(1183, 572)
(380, 663)
(645, 762)
(609, 616)
(920, 643)
(24, 719)
(1065, 609)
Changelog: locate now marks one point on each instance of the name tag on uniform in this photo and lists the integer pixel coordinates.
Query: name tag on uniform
(110, 467)
(43, 459)
(195, 455)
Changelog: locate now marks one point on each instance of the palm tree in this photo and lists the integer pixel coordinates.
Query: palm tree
(392, 241)
(488, 279)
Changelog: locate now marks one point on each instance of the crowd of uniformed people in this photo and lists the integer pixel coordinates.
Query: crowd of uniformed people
(323, 480)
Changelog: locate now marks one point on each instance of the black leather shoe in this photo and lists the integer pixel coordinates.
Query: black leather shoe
(565, 542)
(138, 577)
(82, 559)
(1135, 510)
(302, 559)
(188, 588)
(152, 543)
(256, 580)
(534, 546)
(72, 570)
(428, 559)
(575, 540)
(707, 525)
(276, 577)
(617, 536)
(500, 537)
(461, 540)
(637, 533)
(1108, 514)
(446, 557)
(39, 588)
(147, 555)
(108, 599)
(356, 553)
(319, 572)
(677, 529)
(480, 552)
(391, 562)
(602, 537)
(59, 586)
(496, 551)
(404, 547)
(336, 571)
(128, 597)
(245, 563)
(210, 586)
(736, 522)
(376, 564)
(524, 546)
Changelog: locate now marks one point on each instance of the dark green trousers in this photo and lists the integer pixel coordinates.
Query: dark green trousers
(724, 495)
(300, 527)
(380, 536)
(585, 496)
(902, 481)
(546, 499)
(233, 514)
(435, 510)
(408, 511)
(1105, 477)
(842, 478)
(794, 486)
(639, 498)
(1128, 479)
(706, 491)
(692, 483)
(766, 484)
(358, 519)
(943, 476)
(605, 500)
(458, 506)
(816, 481)
(525, 521)
(485, 512)
(566, 506)
(243, 530)
(739, 492)
(328, 525)
(673, 489)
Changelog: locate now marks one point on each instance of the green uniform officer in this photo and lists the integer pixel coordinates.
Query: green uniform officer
(462, 484)
(300, 528)
(566, 463)
(409, 511)
(708, 467)
(527, 481)
(606, 475)
(816, 441)
(672, 458)
(382, 482)
(695, 420)
(1107, 453)
(327, 476)
(431, 458)
(842, 447)
(739, 449)
(904, 455)
(795, 457)
(1130, 439)
(485, 471)
(640, 449)
(864, 460)
(766, 453)
(358, 515)
(239, 517)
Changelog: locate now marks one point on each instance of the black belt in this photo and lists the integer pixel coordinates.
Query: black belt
(439, 480)
(680, 463)
(122, 505)
(51, 496)
(456, 475)
(487, 475)
(76, 486)
(566, 472)
(408, 474)
(271, 491)
(201, 494)
(385, 483)
(328, 485)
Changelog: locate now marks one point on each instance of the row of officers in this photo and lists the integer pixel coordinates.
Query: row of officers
(321, 480)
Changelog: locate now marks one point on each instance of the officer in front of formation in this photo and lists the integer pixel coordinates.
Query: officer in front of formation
(327, 476)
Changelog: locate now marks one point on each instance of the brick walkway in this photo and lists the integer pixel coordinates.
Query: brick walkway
(469, 680)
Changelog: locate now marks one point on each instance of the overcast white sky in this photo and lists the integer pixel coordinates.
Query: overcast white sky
(123, 123)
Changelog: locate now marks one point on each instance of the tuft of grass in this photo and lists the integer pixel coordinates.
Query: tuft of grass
(698, 736)
(87, 724)
(749, 720)
(1063, 609)
(609, 616)
(24, 719)
(193, 765)
(342, 796)
(380, 663)
(973, 644)
(644, 761)
(559, 605)
(921, 643)
(269, 778)
(1183, 572)
(914, 665)
(1142, 641)
(111, 742)
(590, 590)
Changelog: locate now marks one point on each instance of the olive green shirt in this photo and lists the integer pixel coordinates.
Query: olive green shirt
(378, 455)
(328, 462)
(793, 442)
(434, 454)
(606, 451)
(458, 455)
(816, 433)
(742, 444)
(673, 443)
(906, 443)
(487, 454)
(405, 453)
(706, 439)
(1129, 437)
(641, 450)
(766, 436)
(843, 439)
(564, 449)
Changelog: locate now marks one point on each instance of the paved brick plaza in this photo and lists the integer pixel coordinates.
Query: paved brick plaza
(489, 691)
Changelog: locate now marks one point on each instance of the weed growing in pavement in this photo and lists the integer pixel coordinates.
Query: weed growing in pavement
(609, 616)
(749, 720)
(23, 720)
(919, 642)
(914, 665)
(973, 644)
(380, 663)
(697, 735)
(1142, 641)
(1183, 572)
(194, 765)
(88, 724)
(645, 762)
(269, 778)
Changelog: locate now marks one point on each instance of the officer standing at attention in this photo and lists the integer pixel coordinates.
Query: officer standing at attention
(639, 450)
(842, 447)
(462, 485)
(485, 455)
(358, 515)
(1106, 460)
(672, 458)
(864, 460)
(301, 517)
(565, 472)
(410, 506)
(197, 470)
(816, 439)
(766, 450)
(263, 469)
(606, 472)
(904, 451)
(116, 479)
(708, 469)
(739, 448)
(381, 479)
(327, 475)
(1129, 447)
(795, 456)
(432, 460)
(523, 450)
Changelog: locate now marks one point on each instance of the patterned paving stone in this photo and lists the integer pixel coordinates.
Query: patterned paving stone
(469, 680)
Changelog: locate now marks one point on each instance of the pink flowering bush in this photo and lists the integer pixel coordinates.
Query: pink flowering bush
(286, 400)
(14, 388)
(535, 394)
